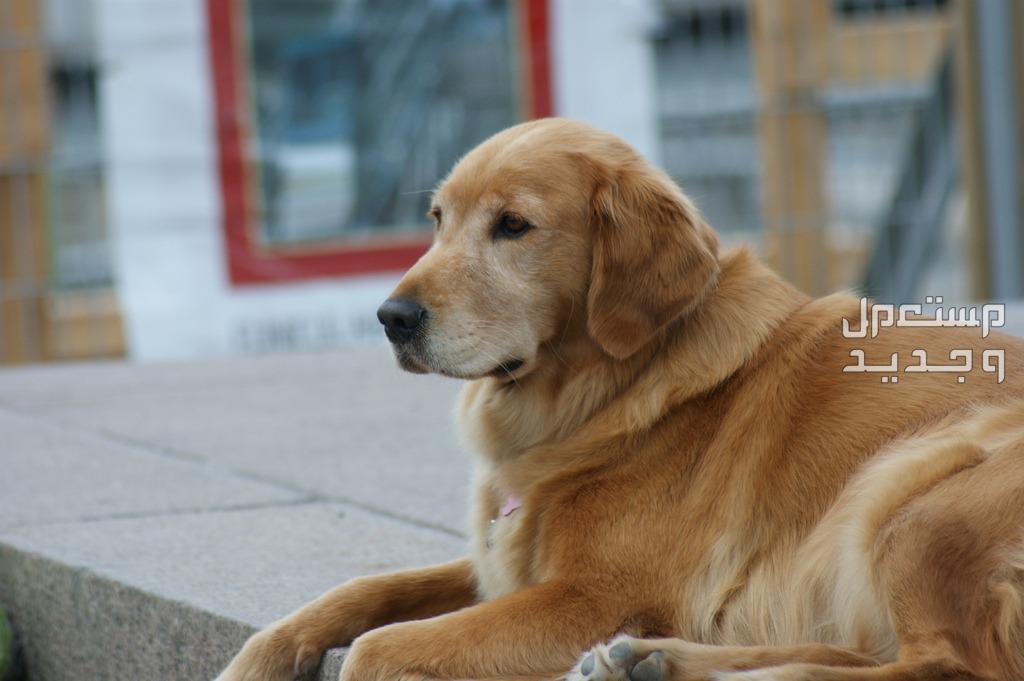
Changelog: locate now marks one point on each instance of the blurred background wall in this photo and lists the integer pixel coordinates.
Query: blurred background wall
(183, 178)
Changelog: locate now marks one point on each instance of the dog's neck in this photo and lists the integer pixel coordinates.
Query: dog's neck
(699, 351)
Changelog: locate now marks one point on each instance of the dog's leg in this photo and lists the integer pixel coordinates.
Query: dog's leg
(670, 659)
(914, 670)
(925, 670)
(630, 659)
(292, 647)
(537, 631)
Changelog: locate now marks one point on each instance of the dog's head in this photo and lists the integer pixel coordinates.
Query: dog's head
(544, 224)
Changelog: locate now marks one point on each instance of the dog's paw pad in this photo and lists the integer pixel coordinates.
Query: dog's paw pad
(597, 665)
(621, 660)
(651, 668)
(620, 651)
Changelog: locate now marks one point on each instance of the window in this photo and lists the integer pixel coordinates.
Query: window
(336, 118)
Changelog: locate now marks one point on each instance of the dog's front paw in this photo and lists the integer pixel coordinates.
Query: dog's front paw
(389, 654)
(274, 654)
(371, 658)
(624, 659)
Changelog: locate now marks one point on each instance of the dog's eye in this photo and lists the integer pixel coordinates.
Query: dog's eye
(435, 215)
(511, 226)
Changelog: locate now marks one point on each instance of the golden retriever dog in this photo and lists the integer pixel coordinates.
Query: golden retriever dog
(686, 468)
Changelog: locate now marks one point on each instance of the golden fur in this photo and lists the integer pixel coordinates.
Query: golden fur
(694, 471)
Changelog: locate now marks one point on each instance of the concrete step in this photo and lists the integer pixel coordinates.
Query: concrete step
(152, 517)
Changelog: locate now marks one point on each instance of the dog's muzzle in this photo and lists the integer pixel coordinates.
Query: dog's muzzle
(402, 318)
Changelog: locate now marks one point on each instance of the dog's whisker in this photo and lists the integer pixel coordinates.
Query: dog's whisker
(493, 358)
(568, 320)
(560, 358)
(488, 326)
(565, 330)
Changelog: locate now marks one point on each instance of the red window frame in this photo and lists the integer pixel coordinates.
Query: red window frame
(251, 262)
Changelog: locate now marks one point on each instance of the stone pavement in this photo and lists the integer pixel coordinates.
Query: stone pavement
(151, 517)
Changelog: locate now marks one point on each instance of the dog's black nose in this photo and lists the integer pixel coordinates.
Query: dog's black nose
(401, 318)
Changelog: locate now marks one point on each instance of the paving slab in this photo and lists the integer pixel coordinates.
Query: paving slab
(334, 425)
(152, 517)
(132, 588)
(252, 565)
(52, 474)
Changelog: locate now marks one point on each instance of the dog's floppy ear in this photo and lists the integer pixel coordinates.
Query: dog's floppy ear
(654, 258)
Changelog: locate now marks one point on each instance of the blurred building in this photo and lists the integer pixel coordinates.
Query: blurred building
(200, 177)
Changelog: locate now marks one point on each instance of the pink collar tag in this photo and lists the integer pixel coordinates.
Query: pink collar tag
(511, 505)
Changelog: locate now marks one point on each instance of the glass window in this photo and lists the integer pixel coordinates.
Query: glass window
(359, 107)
